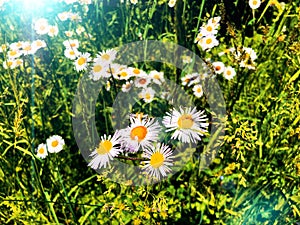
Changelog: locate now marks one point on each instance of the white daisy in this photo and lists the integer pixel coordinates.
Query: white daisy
(41, 26)
(160, 160)
(107, 149)
(41, 151)
(73, 43)
(80, 30)
(215, 21)
(98, 70)
(37, 44)
(107, 56)
(53, 31)
(55, 144)
(190, 79)
(137, 72)
(12, 54)
(63, 16)
(81, 62)
(71, 53)
(208, 29)
(141, 132)
(157, 77)
(27, 48)
(218, 67)
(171, 3)
(254, 4)
(111, 69)
(9, 63)
(188, 124)
(208, 42)
(148, 94)
(134, 1)
(16, 45)
(142, 81)
(69, 33)
(229, 73)
(127, 86)
(198, 90)
(199, 37)
(124, 74)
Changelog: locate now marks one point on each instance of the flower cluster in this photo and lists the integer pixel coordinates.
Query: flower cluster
(186, 125)
(206, 38)
(54, 144)
(14, 51)
(42, 26)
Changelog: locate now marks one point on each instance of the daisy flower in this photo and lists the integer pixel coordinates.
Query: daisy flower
(98, 70)
(80, 30)
(198, 91)
(134, 1)
(157, 77)
(27, 48)
(254, 4)
(218, 67)
(63, 16)
(127, 86)
(71, 53)
(148, 94)
(124, 74)
(208, 29)
(137, 72)
(81, 62)
(215, 21)
(69, 33)
(208, 42)
(12, 54)
(190, 79)
(55, 144)
(111, 69)
(159, 160)
(16, 45)
(142, 82)
(10, 63)
(199, 37)
(106, 150)
(41, 26)
(53, 31)
(37, 44)
(73, 43)
(107, 56)
(141, 132)
(188, 124)
(171, 3)
(229, 73)
(41, 151)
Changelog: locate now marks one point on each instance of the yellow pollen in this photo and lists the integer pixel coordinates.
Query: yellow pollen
(136, 71)
(81, 61)
(157, 159)
(73, 45)
(209, 28)
(97, 68)
(104, 147)
(208, 41)
(156, 76)
(228, 72)
(54, 143)
(123, 74)
(140, 132)
(185, 121)
(147, 96)
(72, 53)
(254, 2)
(9, 64)
(41, 150)
(13, 53)
(199, 90)
(105, 56)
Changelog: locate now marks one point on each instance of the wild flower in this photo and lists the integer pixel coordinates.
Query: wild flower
(229, 72)
(198, 90)
(254, 4)
(55, 144)
(81, 63)
(41, 151)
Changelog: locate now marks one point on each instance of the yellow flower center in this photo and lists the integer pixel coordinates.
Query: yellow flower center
(199, 90)
(123, 74)
(140, 132)
(81, 61)
(136, 71)
(157, 159)
(208, 41)
(73, 45)
(209, 28)
(104, 147)
(72, 53)
(228, 72)
(97, 68)
(54, 143)
(185, 121)
(13, 53)
(105, 56)
(9, 64)
(254, 2)
(156, 76)
(41, 150)
(147, 96)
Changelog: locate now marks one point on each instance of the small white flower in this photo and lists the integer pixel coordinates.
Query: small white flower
(171, 3)
(142, 81)
(229, 73)
(198, 90)
(53, 31)
(127, 86)
(157, 77)
(41, 151)
(41, 26)
(148, 94)
(55, 144)
(71, 53)
(134, 1)
(254, 4)
(208, 42)
(73, 43)
(218, 67)
(188, 124)
(160, 160)
(81, 62)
